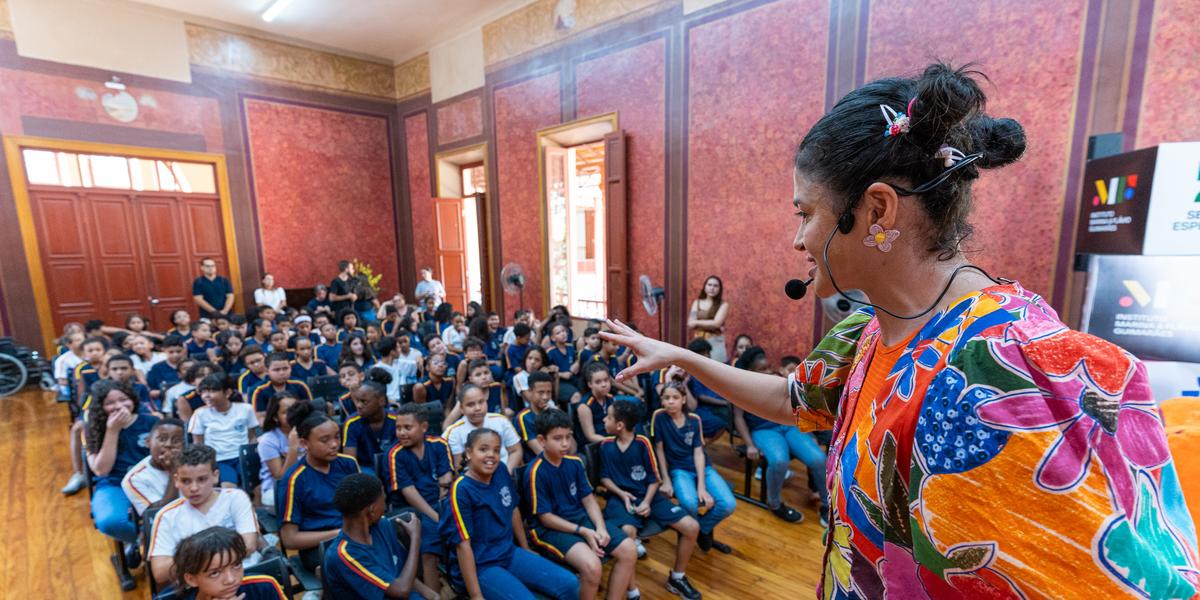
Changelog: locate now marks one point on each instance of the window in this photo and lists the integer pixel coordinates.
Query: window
(70, 169)
(575, 213)
(474, 181)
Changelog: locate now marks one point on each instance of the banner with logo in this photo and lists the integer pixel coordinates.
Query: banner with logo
(1145, 304)
(1173, 223)
(1115, 199)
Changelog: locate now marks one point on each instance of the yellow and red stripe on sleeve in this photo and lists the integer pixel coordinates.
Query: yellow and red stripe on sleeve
(252, 579)
(391, 457)
(533, 497)
(289, 505)
(358, 569)
(454, 508)
(650, 453)
(129, 487)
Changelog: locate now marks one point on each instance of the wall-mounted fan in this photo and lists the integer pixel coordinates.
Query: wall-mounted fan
(838, 307)
(652, 299)
(512, 278)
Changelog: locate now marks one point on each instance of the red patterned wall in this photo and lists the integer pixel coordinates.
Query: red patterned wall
(416, 132)
(520, 110)
(1017, 209)
(770, 60)
(30, 94)
(1170, 112)
(639, 101)
(460, 120)
(319, 175)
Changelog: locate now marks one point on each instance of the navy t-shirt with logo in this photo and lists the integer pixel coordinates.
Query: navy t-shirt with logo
(558, 489)
(132, 446)
(213, 291)
(633, 469)
(678, 442)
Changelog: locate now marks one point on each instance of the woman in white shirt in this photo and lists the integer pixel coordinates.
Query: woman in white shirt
(269, 295)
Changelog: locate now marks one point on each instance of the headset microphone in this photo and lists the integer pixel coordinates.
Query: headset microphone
(796, 288)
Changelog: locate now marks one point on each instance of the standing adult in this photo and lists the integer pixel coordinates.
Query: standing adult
(341, 289)
(269, 295)
(707, 316)
(213, 293)
(981, 448)
(429, 287)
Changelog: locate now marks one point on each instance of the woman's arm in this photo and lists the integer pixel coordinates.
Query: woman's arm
(715, 323)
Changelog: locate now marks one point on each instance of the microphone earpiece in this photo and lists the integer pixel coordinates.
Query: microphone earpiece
(796, 288)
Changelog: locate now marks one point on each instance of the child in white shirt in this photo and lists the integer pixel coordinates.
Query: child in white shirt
(223, 425)
(149, 481)
(473, 400)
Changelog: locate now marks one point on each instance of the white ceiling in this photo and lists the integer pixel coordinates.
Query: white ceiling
(389, 30)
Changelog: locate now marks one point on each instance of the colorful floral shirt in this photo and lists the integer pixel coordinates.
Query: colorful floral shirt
(1006, 456)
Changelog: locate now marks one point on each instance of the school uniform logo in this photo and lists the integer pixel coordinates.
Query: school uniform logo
(141, 440)
(687, 437)
(573, 490)
(638, 473)
(505, 497)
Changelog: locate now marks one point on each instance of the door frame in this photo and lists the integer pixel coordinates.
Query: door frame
(492, 295)
(13, 146)
(547, 135)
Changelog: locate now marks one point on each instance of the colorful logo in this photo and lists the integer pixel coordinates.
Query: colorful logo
(1115, 191)
(1138, 294)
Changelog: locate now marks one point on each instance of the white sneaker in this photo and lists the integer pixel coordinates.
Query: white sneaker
(641, 549)
(758, 475)
(74, 484)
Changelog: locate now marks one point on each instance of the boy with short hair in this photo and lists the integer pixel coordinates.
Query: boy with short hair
(568, 522)
(706, 399)
(523, 317)
(255, 361)
(330, 348)
(166, 371)
(366, 560)
(120, 368)
(237, 322)
(630, 472)
(541, 390)
(279, 372)
(149, 482)
(591, 345)
(304, 329)
(306, 365)
(201, 341)
(92, 369)
(201, 505)
(420, 469)
(514, 352)
(260, 333)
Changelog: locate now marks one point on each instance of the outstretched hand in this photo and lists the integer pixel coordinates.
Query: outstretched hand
(652, 354)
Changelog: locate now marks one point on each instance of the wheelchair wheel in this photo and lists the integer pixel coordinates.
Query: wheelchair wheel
(12, 375)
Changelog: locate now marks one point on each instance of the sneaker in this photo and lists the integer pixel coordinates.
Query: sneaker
(758, 474)
(641, 549)
(824, 512)
(721, 547)
(682, 587)
(74, 484)
(311, 596)
(133, 556)
(787, 513)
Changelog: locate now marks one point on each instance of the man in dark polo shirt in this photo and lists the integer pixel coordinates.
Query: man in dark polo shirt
(213, 294)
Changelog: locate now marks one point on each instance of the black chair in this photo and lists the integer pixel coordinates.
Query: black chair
(310, 580)
(326, 386)
(146, 531)
(250, 471)
(748, 469)
(435, 413)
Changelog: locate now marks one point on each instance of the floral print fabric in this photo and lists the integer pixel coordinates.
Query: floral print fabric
(1006, 456)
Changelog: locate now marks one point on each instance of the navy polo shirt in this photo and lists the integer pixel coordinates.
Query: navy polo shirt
(443, 392)
(347, 404)
(213, 291)
(559, 490)
(562, 359)
(354, 570)
(482, 514)
(515, 356)
(132, 446)
(599, 408)
(357, 434)
(678, 442)
(406, 469)
(633, 469)
(193, 348)
(318, 369)
(161, 373)
(254, 587)
(329, 353)
(526, 425)
(248, 381)
(306, 499)
(261, 396)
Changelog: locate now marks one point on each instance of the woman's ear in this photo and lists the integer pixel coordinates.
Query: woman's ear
(880, 205)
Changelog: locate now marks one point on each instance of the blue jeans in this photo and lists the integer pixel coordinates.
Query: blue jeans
(110, 510)
(779, 444)
(684, 483)
(527, 571)
(367, 316)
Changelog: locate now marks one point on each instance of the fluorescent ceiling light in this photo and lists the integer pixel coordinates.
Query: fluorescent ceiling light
(275, 10)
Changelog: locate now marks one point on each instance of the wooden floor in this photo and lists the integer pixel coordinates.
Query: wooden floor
(62, 556)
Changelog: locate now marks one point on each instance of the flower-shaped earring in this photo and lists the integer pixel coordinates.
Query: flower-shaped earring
(878, 237)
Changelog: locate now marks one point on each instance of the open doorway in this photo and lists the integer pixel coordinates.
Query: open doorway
(583, 194)
(461, 222)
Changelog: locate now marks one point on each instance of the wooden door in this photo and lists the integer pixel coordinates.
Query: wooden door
(451, 250)
(616, 228)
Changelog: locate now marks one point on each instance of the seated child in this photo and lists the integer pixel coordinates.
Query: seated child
(92, 369)
(372, 430)
(350, 375)
(473, 402)
(254, 359)
(116, 441)
(279, 371)
(330, 348)
(277, 342)
(568, 522)
(591, 346)
(562, 354)
(188, 402)
(201, 505)
(679, 442)
(304, 502)
(480, 373)
(535, 360)
(515, 350)
(420, 470)
(149, 483)
(629, 471)
(357, 349)
(541, 389)
(705, 399)
(209, 567)
(594, 405)
(437, 346)
(479, 524)
(229, 353)
(223, 425)
(119, 368)
(306, 365)
(201, 341)
(166, 372)
(437, 386)
(304, 329)
(778, 444)
(366, 561)
(279, 447)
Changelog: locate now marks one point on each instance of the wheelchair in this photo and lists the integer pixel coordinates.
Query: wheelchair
(20, 365)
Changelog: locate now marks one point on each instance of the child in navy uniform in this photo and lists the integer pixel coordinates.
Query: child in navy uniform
(279, 372)
(594, 405)
(568, 521)
(420, 469)
(679, 442)
(305, 365)
(480, 521)
(541, 389)
(330, 348)
(563, 355)
(166, 371)
(514, 352)
(437, 386)
(201, 341)
(304, 500)
(350, 375)
(209, 563)
(365, 560)
(630, 473)
(372, 430)
(254, 359)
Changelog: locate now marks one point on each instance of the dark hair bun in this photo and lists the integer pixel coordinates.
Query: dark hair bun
(299, 412)
(945, 97)
(380, 376)
(1002, 141)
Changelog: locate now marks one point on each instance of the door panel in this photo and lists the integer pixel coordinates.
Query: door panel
(166, 255)
(117, 258)
(616, 226)
(451, 249)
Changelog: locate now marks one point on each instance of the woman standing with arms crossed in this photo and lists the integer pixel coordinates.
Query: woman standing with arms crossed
(981, 448)
(708, 314)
